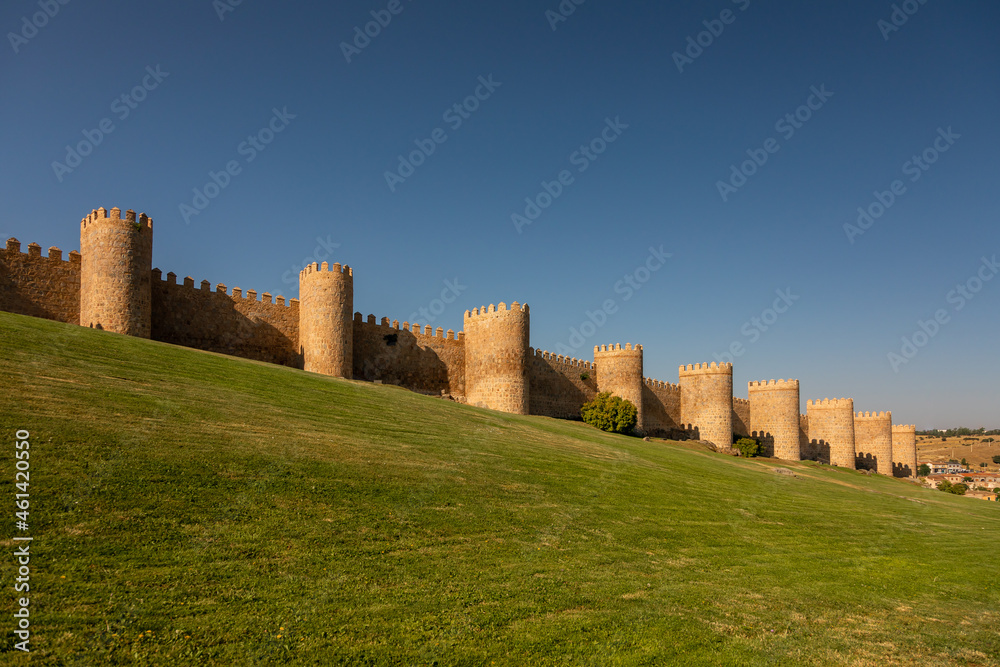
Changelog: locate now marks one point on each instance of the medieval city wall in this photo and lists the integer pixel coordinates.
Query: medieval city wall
(238, 324)
(558, 385)
(873, 441)
(741, 417)
(662, 408)
(40, 286)
(426, 360)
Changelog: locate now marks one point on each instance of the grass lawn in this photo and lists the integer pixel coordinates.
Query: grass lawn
(189, 508)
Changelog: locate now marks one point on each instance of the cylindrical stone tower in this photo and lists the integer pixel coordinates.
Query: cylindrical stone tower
(619, 371)
(873, 440)
(904, 450)
(496, 357)
(116, 272)
(707, 402)
(774, 417)
(831, 424)
(326, 328)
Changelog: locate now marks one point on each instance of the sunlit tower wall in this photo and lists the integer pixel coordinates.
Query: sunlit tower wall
(707, 401)
(496, 357)
(831, 421)
(774, 417)
(619, 371)
(904, 450)
(326, 329)
(116, 272)
(873, 440)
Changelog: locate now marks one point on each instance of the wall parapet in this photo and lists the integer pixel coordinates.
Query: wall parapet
(13, 246)
(326, 267)
(706, 369)
(501, 307)
(873, 416)
(831, 404)
(560, 359)
(220, 288)
(658, 384)
(904, 428)
(773, 385)
(427, 330)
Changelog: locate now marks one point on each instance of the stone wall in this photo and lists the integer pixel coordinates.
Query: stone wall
(47, 287)
(741, 417)
(873, 441)
(707, 402)
(238, 325)
(774, 417)
(559, 386)
(117, 261)
(427, 361)
(831, 429)
(326, 295)
(904, 450)
(619, 372)
(661, 403)
(496, 358)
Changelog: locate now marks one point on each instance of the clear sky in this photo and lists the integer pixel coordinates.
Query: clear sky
(622, 131)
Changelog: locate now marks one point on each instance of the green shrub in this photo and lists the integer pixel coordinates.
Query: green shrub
(924, 470)
(748, 447)
(584, 376)
(610, 413)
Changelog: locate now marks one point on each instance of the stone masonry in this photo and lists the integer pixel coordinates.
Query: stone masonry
(111, 285)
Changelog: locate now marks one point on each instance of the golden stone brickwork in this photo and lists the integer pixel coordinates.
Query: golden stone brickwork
(873, 441)
(111, 285)
(496, 357)
(115, 276)
(619, 371)
(774, 417)
(904, 450)
(326, 329)
(707, 402)
(831, 429)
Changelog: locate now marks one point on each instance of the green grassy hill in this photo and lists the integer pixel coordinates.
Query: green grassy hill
(190, 508)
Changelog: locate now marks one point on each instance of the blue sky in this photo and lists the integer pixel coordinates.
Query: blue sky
(886, 95)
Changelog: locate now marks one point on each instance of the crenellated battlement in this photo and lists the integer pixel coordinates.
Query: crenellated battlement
(417, 330)
(237, 294)
(618, 350)
(881, 416)
(904, 428)
(496, 311)
(741, 402)
(54, 254)
(706, 369)
(101, 214)
(326, 267)
(560, 359)
(773, 385)
(657, 384)
(831, 404)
